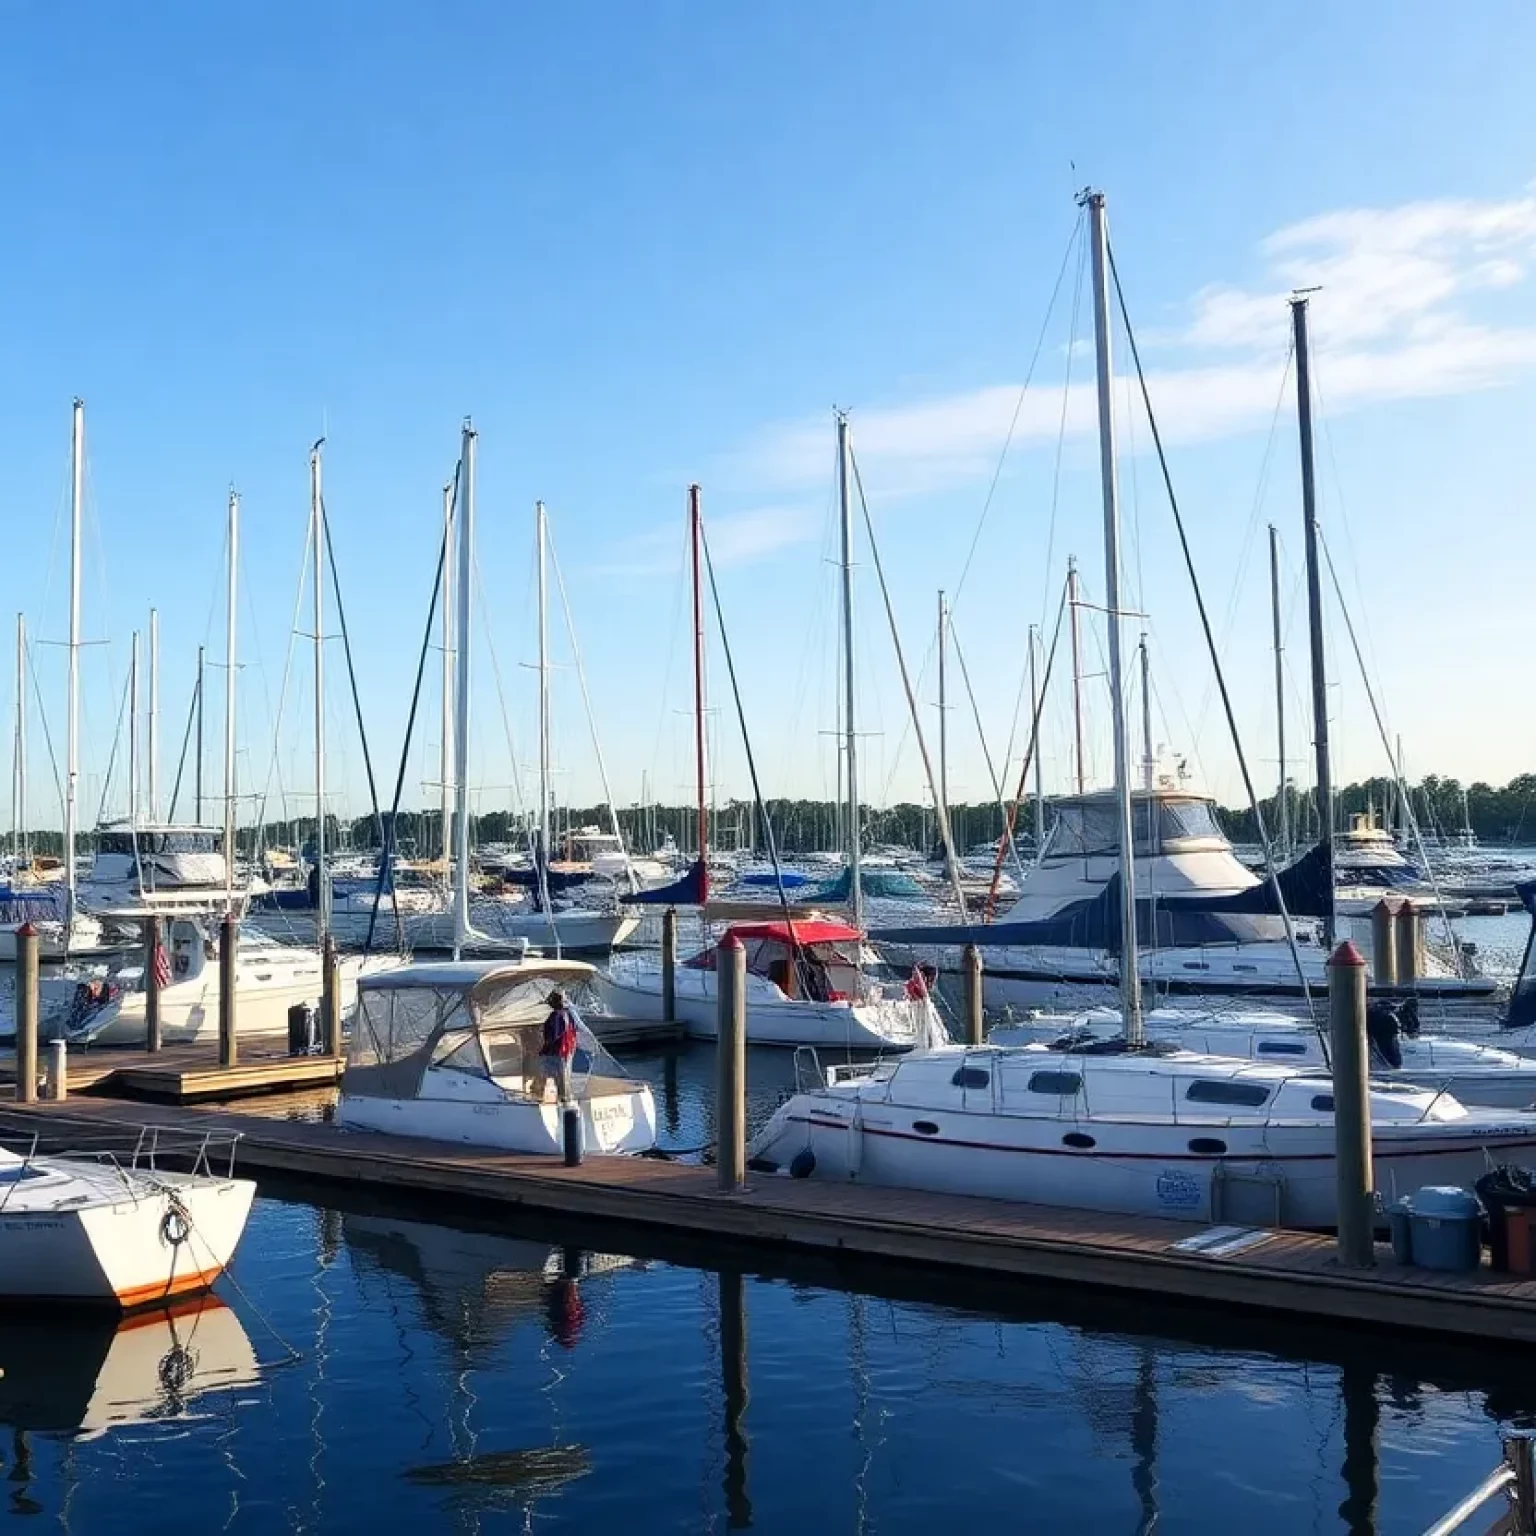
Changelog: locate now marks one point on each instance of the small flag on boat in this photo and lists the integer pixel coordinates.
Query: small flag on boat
(162, 964)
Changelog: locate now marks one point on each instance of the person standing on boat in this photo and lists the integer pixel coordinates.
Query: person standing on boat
(557, 1046)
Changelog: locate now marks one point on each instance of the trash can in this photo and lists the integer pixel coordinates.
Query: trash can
(1446, 1228)
(301, 1030)
(1508, 1194)
(1399, 1224)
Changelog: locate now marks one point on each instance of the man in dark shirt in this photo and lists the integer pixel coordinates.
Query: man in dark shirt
(557, 1046)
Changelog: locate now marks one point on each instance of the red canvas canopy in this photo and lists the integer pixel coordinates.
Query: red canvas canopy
(806, 931)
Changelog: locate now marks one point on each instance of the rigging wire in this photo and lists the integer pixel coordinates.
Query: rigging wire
(997, 474)
(940, 810)
(106, 782)
(186, 742)
(1221, 680)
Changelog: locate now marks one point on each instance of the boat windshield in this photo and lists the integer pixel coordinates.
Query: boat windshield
(148, 841)
(1092, 828)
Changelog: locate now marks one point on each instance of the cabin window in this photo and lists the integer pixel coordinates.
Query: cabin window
(1282, 1048)
(1207, 1146)
(1186, 818)
(1248, 1095)
(971, 1077)
(1323, 1103)
(1063, 1084)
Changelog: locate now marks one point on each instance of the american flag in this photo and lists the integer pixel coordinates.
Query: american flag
(162, 965)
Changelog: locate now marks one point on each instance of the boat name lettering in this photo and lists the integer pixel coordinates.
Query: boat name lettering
(1178, 1189)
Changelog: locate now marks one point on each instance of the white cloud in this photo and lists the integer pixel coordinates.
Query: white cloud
(1386, 324)
(737, 538)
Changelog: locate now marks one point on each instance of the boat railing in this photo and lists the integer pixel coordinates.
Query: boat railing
(199, 1149)
(809, 1077)
(1515, 1478)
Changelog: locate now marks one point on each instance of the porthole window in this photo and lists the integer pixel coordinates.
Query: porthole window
(971, 1077)
(1323, 1103)
(1204, 1091)
(1063, 1084)
(1207, 1146)
(1079, 1139)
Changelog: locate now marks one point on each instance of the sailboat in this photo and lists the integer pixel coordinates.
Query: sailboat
(1124, 1124)
(808, 979)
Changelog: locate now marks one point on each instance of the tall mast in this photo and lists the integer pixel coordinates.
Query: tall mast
(1130, 978)
(1314, 593)
(133, 732)
(696, 534)
(1034, 714)
(466, 554)
(943, 713)
(1148, 757)
(445, 750)
(317, 528)
(154, 714)
(541, 535)
(72, 737)
(230, 596)
(197, 766)
(1279, 645)
(1078, 776)
(850, 734)
(19, 758)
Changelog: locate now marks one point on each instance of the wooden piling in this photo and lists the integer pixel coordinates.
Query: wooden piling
(669, 963)
(330, 999)
(731, 1065)
(970, 963)
(229, 940)
(1351, 1107)
(151, 984)
(1410, 944)
(1384, 943)
(26, 1013)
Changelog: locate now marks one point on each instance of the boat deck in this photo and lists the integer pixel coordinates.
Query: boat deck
(1275, 1272)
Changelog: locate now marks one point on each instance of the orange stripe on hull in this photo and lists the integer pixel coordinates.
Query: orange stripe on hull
(177, 1285)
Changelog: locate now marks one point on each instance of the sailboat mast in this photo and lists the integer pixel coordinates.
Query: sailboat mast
(466, 546)
(317, 527)
(197, 767)
(1279, 647)
(230, 597)
(1130, 978)
(19, 761)
(133, 732)
(696, 534)
(1148, 758)
(943, 712)
(1034, 714)
(850, 733)
(541, 529)
(154, 714)
(1314, 592)
(445, 750)
(72, 737)
(1078, 776)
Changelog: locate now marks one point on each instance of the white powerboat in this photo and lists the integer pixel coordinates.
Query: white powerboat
(1474, 1073)
(1153, 1132)
(450, 1052)
(806, 985)
(96, 1229)
(159, 868)
(105, 1006)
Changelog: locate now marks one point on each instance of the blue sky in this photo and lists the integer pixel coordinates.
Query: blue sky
(650, 243)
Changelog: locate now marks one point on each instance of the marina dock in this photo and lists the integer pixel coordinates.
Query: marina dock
(1275, 1272)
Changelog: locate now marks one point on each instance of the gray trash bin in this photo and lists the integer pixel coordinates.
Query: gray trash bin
(1445, 1228)
(1400, 1225)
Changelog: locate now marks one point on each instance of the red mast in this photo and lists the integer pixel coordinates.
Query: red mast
(696, 528)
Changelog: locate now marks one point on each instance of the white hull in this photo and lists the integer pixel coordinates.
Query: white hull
(496, 927)
(1134, 1168)
(619, 1121)
(84, 937)
(121, 1238)
(772, 1018)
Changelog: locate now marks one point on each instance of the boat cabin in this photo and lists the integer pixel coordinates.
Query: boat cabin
(1164, 821)
(811, 958)
(160, 865)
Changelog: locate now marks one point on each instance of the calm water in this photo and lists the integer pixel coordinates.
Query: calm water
(374, 1371)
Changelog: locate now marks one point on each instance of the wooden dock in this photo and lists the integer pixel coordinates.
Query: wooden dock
(1273, 1272)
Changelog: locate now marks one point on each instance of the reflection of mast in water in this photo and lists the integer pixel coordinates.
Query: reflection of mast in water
(1362, 1419)
(671, 1109)
(733, 1374)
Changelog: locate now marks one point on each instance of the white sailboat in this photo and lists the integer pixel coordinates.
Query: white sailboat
(1120, 1125)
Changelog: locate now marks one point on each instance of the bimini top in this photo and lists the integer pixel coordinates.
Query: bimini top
(805, 931)
(467, 975)
(483, 1018)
